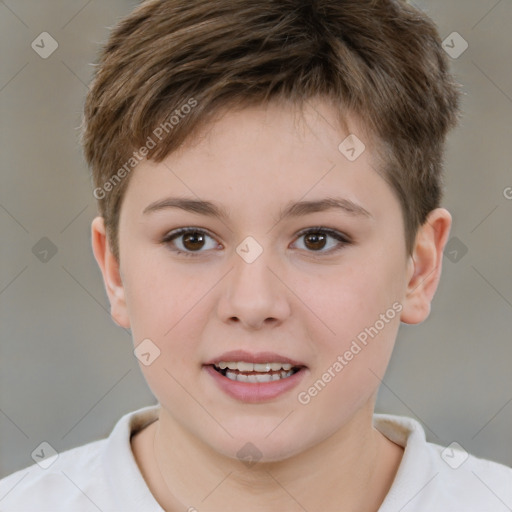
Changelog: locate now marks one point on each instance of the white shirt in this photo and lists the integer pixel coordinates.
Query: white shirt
(104, 476)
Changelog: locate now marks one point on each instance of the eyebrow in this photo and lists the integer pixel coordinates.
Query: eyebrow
(296, 209)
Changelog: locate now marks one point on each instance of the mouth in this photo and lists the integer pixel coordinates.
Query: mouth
(254, 378)
(243, 371)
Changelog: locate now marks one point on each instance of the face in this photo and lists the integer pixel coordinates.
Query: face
(254, 266)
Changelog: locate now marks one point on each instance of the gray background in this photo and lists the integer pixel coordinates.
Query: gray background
(67, 372)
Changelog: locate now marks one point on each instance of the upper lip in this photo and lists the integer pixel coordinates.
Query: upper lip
(257, 357)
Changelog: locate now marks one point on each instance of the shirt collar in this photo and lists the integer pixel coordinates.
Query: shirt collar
(122, 472)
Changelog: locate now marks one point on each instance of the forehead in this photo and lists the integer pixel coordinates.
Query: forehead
(265, 154)
(315, 124)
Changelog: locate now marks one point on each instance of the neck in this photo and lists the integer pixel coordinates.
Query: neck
(354, 467)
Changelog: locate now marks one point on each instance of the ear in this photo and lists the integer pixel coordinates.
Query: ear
(424, 266)
(110, 270)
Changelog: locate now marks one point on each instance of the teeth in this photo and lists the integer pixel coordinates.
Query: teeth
(242, 366)
(266, 367)
(254, 378)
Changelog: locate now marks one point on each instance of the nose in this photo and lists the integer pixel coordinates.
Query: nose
(253, 296)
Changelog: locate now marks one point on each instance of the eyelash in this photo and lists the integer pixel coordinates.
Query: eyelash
(343, 240)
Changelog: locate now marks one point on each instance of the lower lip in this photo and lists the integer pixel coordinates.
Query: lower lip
(253, 392)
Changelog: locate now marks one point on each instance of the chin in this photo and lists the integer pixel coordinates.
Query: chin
(255, 444)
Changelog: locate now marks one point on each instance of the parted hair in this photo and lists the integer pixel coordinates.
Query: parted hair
(171, 65)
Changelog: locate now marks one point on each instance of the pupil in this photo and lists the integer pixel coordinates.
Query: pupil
(193, 241)
(316, 240)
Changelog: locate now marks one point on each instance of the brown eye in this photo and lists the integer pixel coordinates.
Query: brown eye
(193, 241)
(190, 241)
(322, 240)
(315, 241)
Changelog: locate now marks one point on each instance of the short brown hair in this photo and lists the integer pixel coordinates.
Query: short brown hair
(379, 59)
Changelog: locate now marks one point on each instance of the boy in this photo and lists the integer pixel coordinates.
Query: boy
(268, 180)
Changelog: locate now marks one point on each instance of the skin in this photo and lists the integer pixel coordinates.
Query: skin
(299, 299)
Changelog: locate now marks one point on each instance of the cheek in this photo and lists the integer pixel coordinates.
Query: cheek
(168, 307)
(360, 302)
(165, 307)
(341, 301)
(351, 363)
(159, 297)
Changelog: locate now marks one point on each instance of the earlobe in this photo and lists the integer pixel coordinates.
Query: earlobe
(111, 273)
(425, 264)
